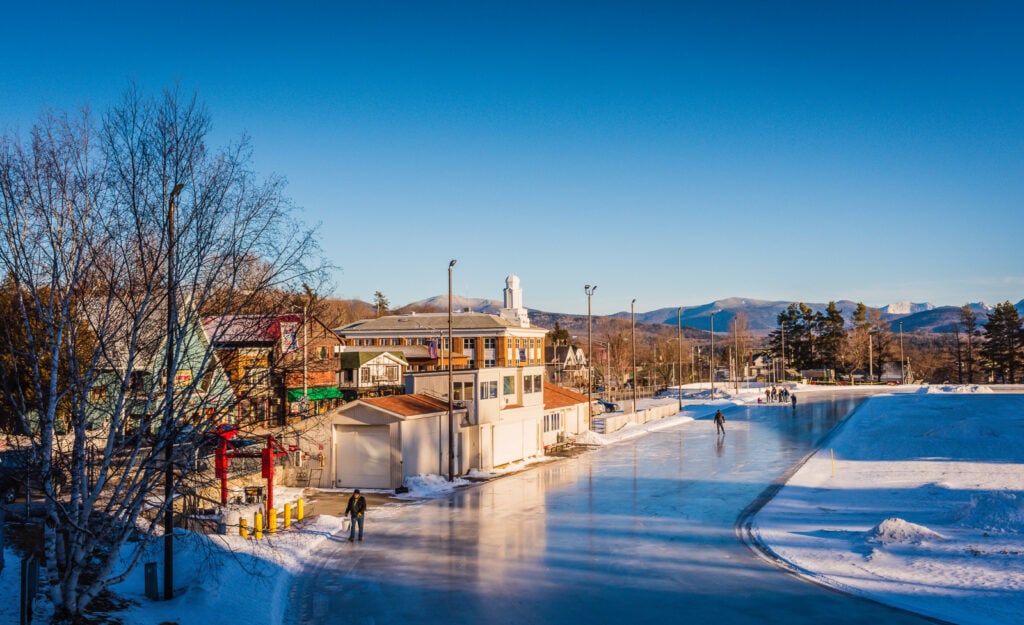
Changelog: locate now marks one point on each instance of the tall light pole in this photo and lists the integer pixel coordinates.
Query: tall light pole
(632, 340)
(871, 358)
(711, 358)
(782, 328)
(903, 374)
(679, 341)
(589, 290)
(172, 322)
(451, 386)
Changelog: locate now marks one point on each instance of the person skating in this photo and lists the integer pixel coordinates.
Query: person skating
(720, 422)
(356, 510)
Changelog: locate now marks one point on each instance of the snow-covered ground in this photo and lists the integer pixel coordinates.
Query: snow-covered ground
(923, 507)
(924, 511)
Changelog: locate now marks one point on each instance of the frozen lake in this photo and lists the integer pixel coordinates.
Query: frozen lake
(643, 529)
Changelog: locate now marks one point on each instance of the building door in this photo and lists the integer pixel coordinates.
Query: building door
(364, 456)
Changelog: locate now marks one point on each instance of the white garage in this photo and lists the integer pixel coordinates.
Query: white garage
(363, 456)
(379, 441)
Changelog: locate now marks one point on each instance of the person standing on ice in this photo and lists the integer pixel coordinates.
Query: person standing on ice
(720, 422)
(356, 509)
(792, 397)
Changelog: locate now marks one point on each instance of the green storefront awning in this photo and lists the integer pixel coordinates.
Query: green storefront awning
(315, 394)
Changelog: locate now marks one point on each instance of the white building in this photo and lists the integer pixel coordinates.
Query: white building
(497, 377)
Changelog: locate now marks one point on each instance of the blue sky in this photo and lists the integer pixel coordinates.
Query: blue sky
(672, 152)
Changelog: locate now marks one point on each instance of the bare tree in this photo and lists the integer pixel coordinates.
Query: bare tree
(99, 225)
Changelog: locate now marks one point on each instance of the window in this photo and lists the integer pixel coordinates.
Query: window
(462, 391)
(321, 353)
(538, 384)
(206, 382)
(552, 422)
(490, 343)
(528, 384)
(392, 373)
(489, 390)
(256, 376)
(508, 385)
(468, 343)
(490, 363)
(98, 393)
(137, 382)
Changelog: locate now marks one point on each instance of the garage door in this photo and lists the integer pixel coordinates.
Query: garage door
(364, 456)
(508, 443)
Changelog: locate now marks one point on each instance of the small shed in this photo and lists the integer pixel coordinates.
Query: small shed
(377, 442)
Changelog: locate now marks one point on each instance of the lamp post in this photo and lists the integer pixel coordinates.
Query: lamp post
(903, 374)
(871, 357)
(451, 386)
(679, 340)
(711, 358)
(172, 320)
(632, 341)
(589, 290)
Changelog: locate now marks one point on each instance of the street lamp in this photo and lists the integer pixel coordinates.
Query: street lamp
(632, 341)
(679, 339)
(172, 320)
(711, 358)
(451, 386)
(903, 374)
(589, 290)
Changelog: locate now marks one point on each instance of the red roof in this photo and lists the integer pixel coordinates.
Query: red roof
(561, 397)
(408, 405)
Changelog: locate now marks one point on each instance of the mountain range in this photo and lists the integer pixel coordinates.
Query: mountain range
(761, 315)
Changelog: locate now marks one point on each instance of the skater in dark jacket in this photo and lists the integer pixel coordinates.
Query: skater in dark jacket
(720, 422)
(356, 509)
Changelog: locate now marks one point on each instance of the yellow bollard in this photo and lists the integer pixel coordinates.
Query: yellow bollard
(257, 526)
(243, 530)
(271, 521)
(300, 512)
(287, 515)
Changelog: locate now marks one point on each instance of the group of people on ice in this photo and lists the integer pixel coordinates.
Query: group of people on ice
(780, 394)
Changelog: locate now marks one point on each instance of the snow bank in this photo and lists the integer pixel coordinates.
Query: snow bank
(951, 459)
(994, 512)
(899, 531)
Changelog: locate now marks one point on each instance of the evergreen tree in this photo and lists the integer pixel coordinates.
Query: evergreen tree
(380, 303)
(1003, 339)
(832, 328)
(558, 336)
(969, 326)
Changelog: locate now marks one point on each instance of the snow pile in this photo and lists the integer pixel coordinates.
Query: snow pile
(958, 388)
(896, 530)
(996, 512)
(424, 486)
(592, 438)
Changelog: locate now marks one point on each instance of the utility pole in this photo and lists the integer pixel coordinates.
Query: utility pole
(679, 340)
(168, 426)
(589, 290)
(451, 386)
(711, 358)
(632, 340)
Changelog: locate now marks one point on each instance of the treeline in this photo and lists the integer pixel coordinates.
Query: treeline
(975, 351)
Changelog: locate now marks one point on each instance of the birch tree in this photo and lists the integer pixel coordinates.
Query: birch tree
(92, 360)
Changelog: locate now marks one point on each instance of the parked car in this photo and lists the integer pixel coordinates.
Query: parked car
(609, 406)
(17, 475)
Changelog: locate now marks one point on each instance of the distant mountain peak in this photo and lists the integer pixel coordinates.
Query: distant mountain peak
(907, 308)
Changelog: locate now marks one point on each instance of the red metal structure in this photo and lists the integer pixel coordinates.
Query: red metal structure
(227, 450)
